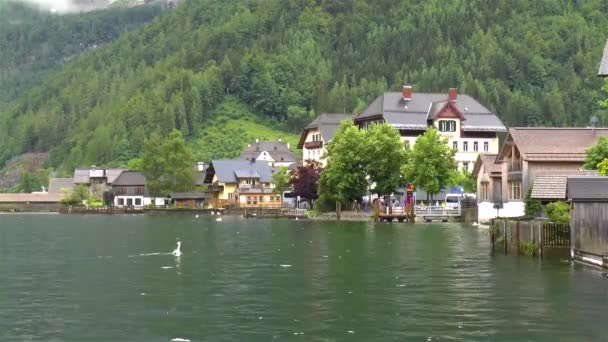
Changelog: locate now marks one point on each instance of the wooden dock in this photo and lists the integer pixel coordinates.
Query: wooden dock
(264, 212)
(399, 214)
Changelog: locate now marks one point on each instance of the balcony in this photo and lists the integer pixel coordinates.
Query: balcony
(248, 189)
(514, 165)
(311, 145)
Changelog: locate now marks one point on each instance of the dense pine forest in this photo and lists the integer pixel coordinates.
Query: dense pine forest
(221, 70)
(34, 43)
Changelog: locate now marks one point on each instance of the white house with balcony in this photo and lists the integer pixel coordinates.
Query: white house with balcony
(469, 127)
(318, 134)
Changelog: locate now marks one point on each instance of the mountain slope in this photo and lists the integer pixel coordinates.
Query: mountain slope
(532, 62)
(34, 43)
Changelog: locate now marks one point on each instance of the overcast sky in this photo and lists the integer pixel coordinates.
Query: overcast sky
(60, 6)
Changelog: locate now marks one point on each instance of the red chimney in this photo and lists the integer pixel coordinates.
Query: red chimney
(452, 94)
(407, 92)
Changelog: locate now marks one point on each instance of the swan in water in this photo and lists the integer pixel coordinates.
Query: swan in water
(212, 212)
(196, 216)
(177, 251)
(219, 219)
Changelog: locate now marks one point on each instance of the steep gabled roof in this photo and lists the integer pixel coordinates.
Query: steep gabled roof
(413, 113)
(226, 170)
(326, 123)
(279, 151)
(488, 161)
(83, 176)
(552, 144)
(130, 178)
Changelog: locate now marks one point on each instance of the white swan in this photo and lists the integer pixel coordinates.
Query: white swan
(177, 251)
(219, 219)
(212, 212)
(196, 216)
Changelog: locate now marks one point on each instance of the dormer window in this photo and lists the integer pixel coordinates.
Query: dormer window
(447, 126)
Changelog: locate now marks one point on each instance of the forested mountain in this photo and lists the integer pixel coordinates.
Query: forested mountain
(279, 61)
(33, 43)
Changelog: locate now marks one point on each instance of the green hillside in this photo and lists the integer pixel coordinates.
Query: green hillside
(534, 62)
(35, 43)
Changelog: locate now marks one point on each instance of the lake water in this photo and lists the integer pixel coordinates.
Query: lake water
(110, 278)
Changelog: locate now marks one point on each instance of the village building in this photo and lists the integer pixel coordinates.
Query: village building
(242, 183)
(588, 197)
(275, 153)
(527, 156)
(129, 190)
(468, 126)
(30, 202)
(98, 181)
(188, 199)
(318, 134)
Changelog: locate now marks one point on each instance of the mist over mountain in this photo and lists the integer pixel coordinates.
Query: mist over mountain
(67, 6)
(209, 63)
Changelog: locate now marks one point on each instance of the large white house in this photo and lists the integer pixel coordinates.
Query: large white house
(275, 153)
(469, 127)
(318, 134)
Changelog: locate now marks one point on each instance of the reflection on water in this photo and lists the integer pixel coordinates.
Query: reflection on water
(108, 278)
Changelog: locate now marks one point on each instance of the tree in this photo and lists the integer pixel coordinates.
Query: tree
(305, 181)
(386, 157)
(602, 167)
(431, 163)
(27, 183)
(153, 164)
(344, 178)
(559, 212)
(280, 179)
(177, 163)
(533, 207)
(596, 154)
(465, 179)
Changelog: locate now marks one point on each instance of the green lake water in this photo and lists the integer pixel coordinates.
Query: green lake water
(111, 278)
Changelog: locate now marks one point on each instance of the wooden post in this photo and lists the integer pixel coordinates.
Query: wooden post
(517, 237)
(338, 210)
(504, 227)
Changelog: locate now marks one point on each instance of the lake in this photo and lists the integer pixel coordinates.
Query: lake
(112, 278)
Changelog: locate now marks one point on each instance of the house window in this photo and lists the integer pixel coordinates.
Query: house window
(515, 190)
(261, 199)
(139, 190)
(486, 146)
(447, 126)
(483, 192)
(455, 145)
(121, 201)
(465, 146)
(230, 195)
(465, 166)
(475, 146)
(138, 201)
(248, 200)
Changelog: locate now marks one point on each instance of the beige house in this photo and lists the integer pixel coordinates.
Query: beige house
(469, 127)
(528, 155)
(318, 134)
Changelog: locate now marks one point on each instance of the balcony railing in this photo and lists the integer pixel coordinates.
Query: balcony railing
(313, 144)
(514, 165)
(255, 189)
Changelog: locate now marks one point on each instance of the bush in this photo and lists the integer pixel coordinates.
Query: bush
(533, 207)
(95, 202)
(559, 212)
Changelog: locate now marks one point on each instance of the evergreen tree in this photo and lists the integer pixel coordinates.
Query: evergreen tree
(431, 163)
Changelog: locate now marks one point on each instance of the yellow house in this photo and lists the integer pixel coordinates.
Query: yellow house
(243, 183)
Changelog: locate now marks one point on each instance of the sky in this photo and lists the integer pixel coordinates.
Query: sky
(58, 6)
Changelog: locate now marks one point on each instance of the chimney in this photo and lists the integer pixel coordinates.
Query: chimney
(452, 94)
(201, 166)
(406, 93)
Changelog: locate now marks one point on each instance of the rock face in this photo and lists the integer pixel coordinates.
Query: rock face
(11, 174)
